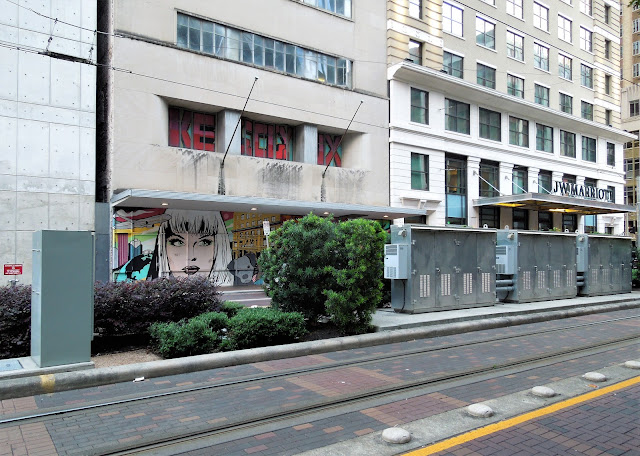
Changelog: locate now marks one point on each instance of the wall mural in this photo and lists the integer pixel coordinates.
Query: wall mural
(266, 140)
(329, 150)
(192, 130)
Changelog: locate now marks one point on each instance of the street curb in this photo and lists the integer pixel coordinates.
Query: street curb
(64, 381)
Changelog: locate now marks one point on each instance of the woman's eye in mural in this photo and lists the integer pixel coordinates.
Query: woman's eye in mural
(176, 241)
(205, 242)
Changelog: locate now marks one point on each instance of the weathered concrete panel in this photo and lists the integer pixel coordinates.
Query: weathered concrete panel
(65, 84)
(87, 207)
(9, 135)
(64, 212)
(8, 72)
(33, 148)
(87, 170)
(40, 112)
(34, 73)
(88, 87)
(32, 211)
(64, 151)
(7, 210)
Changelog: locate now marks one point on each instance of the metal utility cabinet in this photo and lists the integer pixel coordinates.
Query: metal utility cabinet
(440, 268)
(603, 264)
(62, 297)
(535, 265)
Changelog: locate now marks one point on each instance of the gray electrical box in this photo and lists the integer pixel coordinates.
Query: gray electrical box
(448, 268)
(396, 261)
(606, 264)
(62, 297)
(541, 264)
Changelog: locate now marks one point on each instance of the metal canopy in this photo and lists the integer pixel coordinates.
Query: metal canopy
(214, 202)
(554, 203)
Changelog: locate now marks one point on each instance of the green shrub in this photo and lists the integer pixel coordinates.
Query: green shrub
(15, 321)
(196, 336)
(358, 275)
(231, 308)
(264, 326)
(293, 267)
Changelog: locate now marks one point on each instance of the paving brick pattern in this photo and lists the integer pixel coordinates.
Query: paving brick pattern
(129, 423)
(608, 425)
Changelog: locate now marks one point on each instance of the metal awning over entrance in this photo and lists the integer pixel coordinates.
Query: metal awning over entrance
(554, 203)
(139, 198)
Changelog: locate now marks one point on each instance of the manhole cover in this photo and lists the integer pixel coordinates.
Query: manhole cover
(10, 365)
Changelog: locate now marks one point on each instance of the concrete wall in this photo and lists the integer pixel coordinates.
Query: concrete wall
(204, 83)
(47, 125)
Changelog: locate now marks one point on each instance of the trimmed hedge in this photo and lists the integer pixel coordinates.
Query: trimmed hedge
(264, 326)
(196, 336)
(15, 321)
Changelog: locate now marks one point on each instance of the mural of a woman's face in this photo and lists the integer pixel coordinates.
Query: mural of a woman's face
(190, 253)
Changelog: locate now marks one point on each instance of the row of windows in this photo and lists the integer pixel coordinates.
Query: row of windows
(457, 119)
(341, 7)
(453, 23)
(514, 8)
(233, 44)
(486, 76)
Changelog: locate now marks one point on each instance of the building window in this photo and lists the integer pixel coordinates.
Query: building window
(636, 25)
(564, 67)
(485, 33)
(566, 103)
(545, 221)
(586, 76)
(515, 86)
(520, 219)
(486, 76)
(544, 182)
(541, 16)
(490, 216)
(191, 130)
(590, 223)
(490, 124)
(636, 47)
(515, 46)
(586, 40)
(419, 106)
(590, 183)
(607, 84)
(341, 7)
(544, 138)
(456, 190)
(636, 70)
(607, 117)
(518, 132)
(567, 144)
(419, 172)
(611, 154)
(451, 19)
(540, 57)
(634, 108)
(607, 14)
(564, 28)
(586, 110)
(489, 179)
(233, 44)
(611, 190)
(588, 149)
(415, 8)
(607, 49)
(415, 52)
(541, 95)
(585, 7)
(514, 7)
(519, 180)
(452, 64)
(569, 222)
(457, 116)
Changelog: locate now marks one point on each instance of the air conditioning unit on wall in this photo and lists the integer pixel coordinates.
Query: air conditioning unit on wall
(396, 261)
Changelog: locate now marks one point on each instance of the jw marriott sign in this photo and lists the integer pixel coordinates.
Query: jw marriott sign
(581, 191)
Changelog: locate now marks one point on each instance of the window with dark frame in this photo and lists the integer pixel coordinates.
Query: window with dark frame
(515, 86)
(419, 106)
(419, 171)
(586, 110)
(544, 182)
(456, 190)
(490, 123)
(545, 221)
(544, 138)
(567, 144)
(415, 8)
(541, 95)
(457, 116)
(588, 149)
(490, 216)
(485, 33)
(566, 103)
(415, 52)
(452, 64)
(520, 219)
(519, 180)
(486, 76)
(518, 132)
(611, 154)
(489, 181)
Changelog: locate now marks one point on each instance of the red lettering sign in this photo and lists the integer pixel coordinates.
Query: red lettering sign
(204, 135)
(12, 269)
(192, 130)
(329, 150)
(266, 140)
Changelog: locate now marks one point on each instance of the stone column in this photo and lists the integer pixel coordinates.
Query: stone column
(306, 144)
(225, 125)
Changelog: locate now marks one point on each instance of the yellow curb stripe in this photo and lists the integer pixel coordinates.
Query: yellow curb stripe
(48, 383)
(490, 429)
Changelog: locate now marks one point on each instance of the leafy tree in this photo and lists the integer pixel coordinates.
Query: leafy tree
(358, 275)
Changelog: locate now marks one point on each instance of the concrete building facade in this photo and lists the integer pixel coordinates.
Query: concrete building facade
(47, 124)
(518, 124)
(187, 143)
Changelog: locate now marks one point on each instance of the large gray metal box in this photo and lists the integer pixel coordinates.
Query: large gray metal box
(449, 268)
(542, 264)
(606, 264)
(62, 297)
